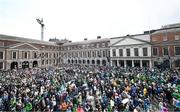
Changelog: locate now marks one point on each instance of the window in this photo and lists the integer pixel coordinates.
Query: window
(154, 39)
(35, 55)
(128, 53)
(155, 51)
(176, 37)
(104, 53)
(25, 55)
(42, 62)
(165, 50)
(145, 53)
(136, 52)
(46, 61)
(98, 53)
(120, 52)
(1, 55)
(93, 53)
(114, 52)
(177, 50)
(103, 45)
(97, 45)
(1, 65)
(1, 43)
(14, 55)
(165, 38)
(89, 54)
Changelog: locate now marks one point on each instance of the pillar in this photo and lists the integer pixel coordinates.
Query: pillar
(118, 63)
(132, 63)
(141, 63)
(150, 64)
(125, 64)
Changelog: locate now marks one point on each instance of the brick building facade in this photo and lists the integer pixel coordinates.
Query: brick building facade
(166, 46)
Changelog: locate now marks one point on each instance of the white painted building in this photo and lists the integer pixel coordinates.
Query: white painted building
(131, 50)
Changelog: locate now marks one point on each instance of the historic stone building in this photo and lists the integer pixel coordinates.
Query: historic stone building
(87, 52)
(131, 51)
(18, 52)
(166, 46)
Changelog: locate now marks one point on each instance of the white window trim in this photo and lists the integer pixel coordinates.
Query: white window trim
(27, 55)
(163, 51)
(134, 51)
(129, 52)
(143, 52)
(16, 55)
(175, 37)
(175, 51)
(165, 37)
(157, 51)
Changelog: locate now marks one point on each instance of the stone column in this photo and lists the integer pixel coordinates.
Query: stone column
(132, 63)
(125, 65)
(140, 63)
(150, 64)
(118, 63)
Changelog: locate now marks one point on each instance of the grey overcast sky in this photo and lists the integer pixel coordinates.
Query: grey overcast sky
(79, 19)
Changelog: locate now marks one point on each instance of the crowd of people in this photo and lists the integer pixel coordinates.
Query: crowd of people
(80, 88)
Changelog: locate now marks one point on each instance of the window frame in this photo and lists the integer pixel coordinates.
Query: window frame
(137, 51)
(129, 52)
(168, 50)
(175, 50)
(157, 51)
(143, 51)
(13, 54)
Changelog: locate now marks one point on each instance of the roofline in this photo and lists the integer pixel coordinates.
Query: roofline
(128, 35)
(28, 39)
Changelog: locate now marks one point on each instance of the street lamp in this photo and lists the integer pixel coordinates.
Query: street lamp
(42, 27)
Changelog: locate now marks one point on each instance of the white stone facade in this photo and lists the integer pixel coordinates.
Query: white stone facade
(131, 50)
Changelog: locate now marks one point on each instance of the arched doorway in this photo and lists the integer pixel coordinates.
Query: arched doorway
(14, 65)
(76, 61)
(98, 62)
(84, 61)
(104, 62)
(68, 61)
(79, 61)
(93, 62)
(72, 61)
(88, 62)
(166, 64)
(177, 63)
(25, 64)
(35, 64)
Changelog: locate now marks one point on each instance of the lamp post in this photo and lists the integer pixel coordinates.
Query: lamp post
(42, 27)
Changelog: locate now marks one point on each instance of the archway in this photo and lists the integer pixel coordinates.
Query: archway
(79, 61)
(25, 64)
(68, 61)
(166, 64)
(98, 62)
(93, 62)
(72, 61)
(84, 61)
(88, 62)
(104, 62)
(177, 63)
(14, 65)
(76, 61)
(35, 64)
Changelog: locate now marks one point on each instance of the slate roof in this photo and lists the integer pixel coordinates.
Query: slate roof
(27, 40)
(87, 41)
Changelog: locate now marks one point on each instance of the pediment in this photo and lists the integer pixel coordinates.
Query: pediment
(25, 46)
(128, 41)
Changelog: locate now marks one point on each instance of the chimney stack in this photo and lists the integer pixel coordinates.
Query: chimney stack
(85, 38)
(98, 37)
